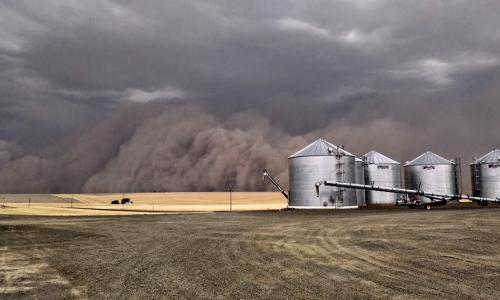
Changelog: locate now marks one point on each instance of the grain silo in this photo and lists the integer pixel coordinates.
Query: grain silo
(382, 171)
(360, 178)
(485, 175)
(431, 173)
(318, 162)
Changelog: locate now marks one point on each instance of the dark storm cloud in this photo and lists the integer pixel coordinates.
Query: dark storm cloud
(394, 76)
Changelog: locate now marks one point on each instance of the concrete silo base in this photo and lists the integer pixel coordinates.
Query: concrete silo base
(323, 207)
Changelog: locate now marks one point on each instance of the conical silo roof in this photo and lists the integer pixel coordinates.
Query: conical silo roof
(489, 158)
(374, 157)
(320, 147)
(429, 158)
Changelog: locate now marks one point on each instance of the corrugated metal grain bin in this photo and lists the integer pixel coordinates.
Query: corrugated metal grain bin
(431, 173)
(382, 171)
(485, 175)
(317, 162)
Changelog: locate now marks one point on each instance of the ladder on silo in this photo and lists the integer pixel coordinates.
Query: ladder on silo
(339, 176)
(458, 175)
(477, 180)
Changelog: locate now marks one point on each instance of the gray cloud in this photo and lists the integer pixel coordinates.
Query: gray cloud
(395, 76)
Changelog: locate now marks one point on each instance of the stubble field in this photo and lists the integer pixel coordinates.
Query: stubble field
(358, 254)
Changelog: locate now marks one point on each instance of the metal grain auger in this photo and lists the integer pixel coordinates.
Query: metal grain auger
(265, 174)
(431, 199)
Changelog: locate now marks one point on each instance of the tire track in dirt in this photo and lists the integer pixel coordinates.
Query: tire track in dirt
(280, 255)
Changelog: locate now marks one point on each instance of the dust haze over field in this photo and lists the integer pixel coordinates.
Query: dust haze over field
(107, 96)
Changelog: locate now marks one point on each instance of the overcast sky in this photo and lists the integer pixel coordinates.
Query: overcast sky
(66, 65)
(63, 62)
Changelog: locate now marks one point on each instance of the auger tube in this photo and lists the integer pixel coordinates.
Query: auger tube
(434, 197)
(265, 174)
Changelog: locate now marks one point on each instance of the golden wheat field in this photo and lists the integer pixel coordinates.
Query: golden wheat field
(143, 203)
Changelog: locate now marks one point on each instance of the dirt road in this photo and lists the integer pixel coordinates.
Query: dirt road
(399, 254)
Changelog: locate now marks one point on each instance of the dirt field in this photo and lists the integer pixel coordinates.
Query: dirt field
(398, 254)
(144, 203)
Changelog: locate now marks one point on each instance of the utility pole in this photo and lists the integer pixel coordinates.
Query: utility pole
(230, 183)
